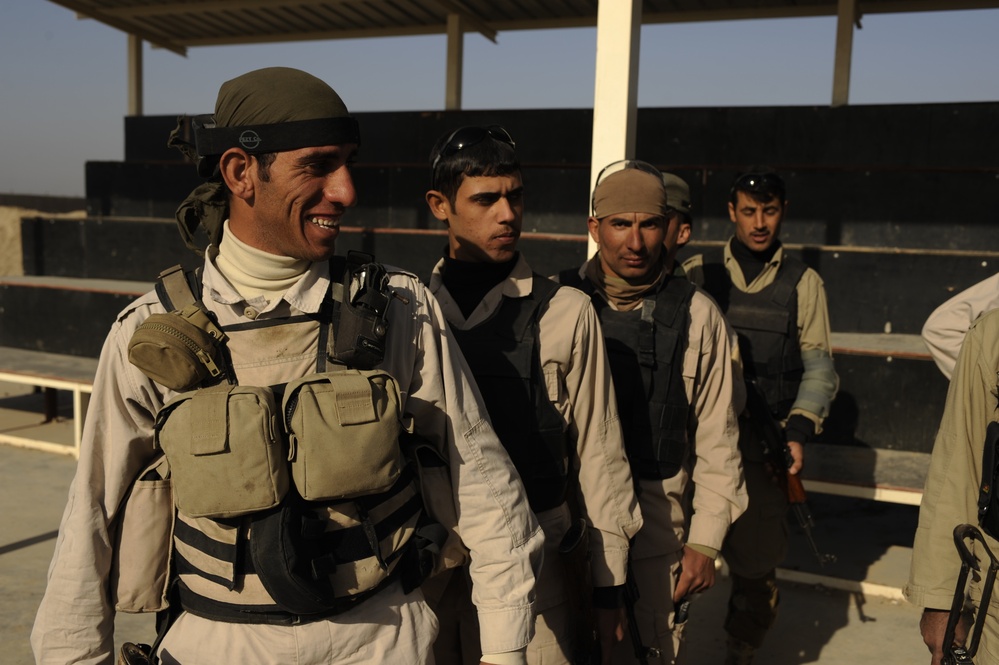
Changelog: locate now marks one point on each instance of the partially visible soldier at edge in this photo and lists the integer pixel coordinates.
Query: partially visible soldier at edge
(347, 588)
(537, 354)
(777, 305)
(960, 489)
(673, 357)
(678, 195)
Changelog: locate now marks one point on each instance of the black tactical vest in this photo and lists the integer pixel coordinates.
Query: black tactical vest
(645, 349)
(504, 355)
(767, 324)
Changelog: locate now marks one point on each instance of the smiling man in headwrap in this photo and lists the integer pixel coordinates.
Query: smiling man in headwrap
(303, 518)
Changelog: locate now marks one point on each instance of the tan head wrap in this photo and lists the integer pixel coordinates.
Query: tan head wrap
(629, 190)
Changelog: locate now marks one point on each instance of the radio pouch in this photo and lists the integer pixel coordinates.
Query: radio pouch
(343, 432)
(180, 349)
(359, 316)
(225, 450)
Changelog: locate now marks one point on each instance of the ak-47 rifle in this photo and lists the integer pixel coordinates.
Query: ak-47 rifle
(955, 654)
(631, 593)
(777, 452)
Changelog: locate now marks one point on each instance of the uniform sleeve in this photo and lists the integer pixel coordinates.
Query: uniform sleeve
(710, 368)
(494, 520)
(75, 621)
(950, 494)
(946, 327)
(605, 483)
(819, 382)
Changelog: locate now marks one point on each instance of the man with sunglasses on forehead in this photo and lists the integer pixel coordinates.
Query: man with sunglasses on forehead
(679, 391)
(537, 355)
(777, 305)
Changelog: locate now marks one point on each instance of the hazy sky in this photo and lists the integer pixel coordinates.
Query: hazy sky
(63, 83)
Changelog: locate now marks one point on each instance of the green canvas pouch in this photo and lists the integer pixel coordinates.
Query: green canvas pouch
(225, 450)
(143, 534)
(179, 350)
(343, 433)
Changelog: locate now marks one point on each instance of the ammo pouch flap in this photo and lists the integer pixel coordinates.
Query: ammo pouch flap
(343, 433)
(225, 450)
(180, 349)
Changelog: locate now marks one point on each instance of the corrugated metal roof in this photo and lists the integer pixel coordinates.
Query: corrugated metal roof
(181, 24)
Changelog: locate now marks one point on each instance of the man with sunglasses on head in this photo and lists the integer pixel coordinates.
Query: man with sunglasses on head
(679, 391)
(537, 355)
(777, 305)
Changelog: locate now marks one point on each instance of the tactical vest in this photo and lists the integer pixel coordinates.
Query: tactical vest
(767, 325)
(303, 558)
(504, 355)
(645, 348)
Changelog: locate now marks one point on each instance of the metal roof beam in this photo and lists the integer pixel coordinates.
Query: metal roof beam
(469, 17)
(85, 10)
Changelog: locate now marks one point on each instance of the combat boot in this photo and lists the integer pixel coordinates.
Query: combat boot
(738, 652)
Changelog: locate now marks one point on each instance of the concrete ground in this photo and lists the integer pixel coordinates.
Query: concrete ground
(818, 623)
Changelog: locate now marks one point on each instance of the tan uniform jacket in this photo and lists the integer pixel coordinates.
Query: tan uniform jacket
(950, 496)
(813, 320)
(75, 620)
(946, 327)
(581, 388)
(698, 504)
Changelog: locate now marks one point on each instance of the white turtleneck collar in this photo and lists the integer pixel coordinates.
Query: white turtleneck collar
(254, 272)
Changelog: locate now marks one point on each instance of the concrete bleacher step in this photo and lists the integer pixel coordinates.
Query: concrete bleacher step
(63, 315)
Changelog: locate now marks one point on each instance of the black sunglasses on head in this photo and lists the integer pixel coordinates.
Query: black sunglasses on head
(758, 182)
(463, 137)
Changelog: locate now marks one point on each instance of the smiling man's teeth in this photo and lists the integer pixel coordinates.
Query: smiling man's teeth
(322, 221)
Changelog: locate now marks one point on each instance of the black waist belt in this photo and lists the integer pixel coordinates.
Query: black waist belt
(229, 613)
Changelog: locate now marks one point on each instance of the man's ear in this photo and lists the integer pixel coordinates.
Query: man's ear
(593, 225)
(683, 236)
(440, 207)
(236, 168)
(731, 211)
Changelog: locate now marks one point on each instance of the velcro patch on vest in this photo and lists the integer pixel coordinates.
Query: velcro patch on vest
(354, 405)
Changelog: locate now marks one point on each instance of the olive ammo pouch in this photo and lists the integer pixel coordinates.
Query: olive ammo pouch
(343, 433)
(226, 452)
(988, 499)
(140, 567)
(183, 348)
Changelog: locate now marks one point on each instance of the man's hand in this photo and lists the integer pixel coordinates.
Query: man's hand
(610, 630)
(797, 454)
(697, 573)
(933, 625)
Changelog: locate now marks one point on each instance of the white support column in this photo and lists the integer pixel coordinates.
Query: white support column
(844, 52)
(615, 95)
(134, 75)
(455, 61)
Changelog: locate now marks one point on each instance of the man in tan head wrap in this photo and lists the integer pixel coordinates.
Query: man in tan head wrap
(676, 378)
(295, 568)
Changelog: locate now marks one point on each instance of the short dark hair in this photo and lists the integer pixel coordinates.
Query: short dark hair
(265, 159)
(761, 183)
(488, 157)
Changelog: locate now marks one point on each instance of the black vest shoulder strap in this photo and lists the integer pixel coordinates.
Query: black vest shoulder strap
(786, 284)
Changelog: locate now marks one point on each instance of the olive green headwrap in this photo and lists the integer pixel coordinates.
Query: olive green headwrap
(267, 110)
